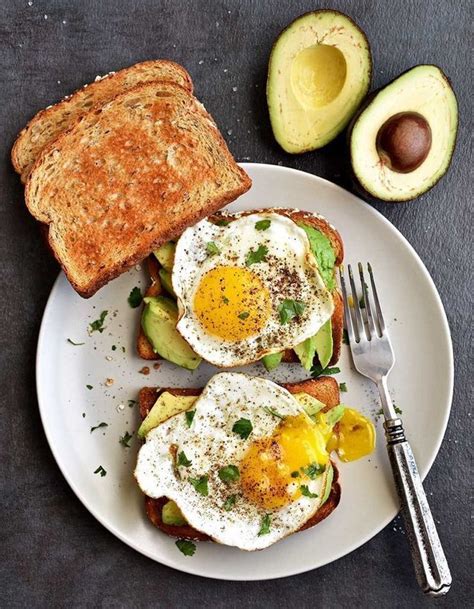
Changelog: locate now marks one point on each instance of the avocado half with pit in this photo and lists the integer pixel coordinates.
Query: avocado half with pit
(319, 71)
(402, 141)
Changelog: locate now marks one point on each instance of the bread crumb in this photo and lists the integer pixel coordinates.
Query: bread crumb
(145, 370)
(109, 382)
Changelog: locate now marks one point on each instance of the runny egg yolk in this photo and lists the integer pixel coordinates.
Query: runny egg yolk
(267, 467)
(354, 438)
(232, 303)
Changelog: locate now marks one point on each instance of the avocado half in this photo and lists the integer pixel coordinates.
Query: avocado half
(319, 71)
(402, 140)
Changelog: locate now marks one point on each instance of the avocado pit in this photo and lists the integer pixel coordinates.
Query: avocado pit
(404, 141)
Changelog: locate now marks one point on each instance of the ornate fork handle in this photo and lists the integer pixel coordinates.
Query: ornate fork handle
(431, 567)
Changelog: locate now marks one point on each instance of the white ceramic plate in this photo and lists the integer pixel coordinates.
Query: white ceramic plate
(421, 383)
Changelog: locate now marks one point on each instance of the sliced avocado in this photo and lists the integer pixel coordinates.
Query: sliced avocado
(310, 404)
(159, 320)
(172, 515)
(334, 415)
(329, 476)
(402, 141)
(319, 72)
(166, 406)
(272, 360)
(324, 343)
(165, 255)
(323, 252)
(165, 277)
(306, 351)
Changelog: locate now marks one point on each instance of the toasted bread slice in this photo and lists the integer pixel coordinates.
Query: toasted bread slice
(127, 177)
(324, 389)
(144, 348)
(46, 125)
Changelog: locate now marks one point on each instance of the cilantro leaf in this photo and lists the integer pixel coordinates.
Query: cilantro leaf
(288, 309)
(125, 439)
(99, 426)
(313, 470)
(230, 502)
(274, 413)
(183, 460)
(265, 525)
(225, 300)
(343, 387)
(98, 324)
(222, 222)
(306, 492)
(263, 224)
(257, 255)
(295, 474)
(243, 428)
(100, 470)
(212, 249)
(200, 484)
(135, 298)
(89, 387)
(71, 342)
(186, 547)
(243, 315)
(318, 370)
(131, 403)
(189, 414)
(229, 473)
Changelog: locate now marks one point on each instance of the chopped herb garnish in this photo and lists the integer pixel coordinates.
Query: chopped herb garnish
(243, 315)
(289, 309)
(306, 492)
(100, 470)
(71, 342)
(135, 298)
(222, 222)
(225, 300)
(397, 409)
(98, 324)
(257, 255)
(243, 428)
(263, 224)
(186, 547)
(123, 349)
(313, 470)
(273, 412)
(229, 473)
(183, 460)
(125, 439)
(189, 414)
(295, 474)
(212, 249)
(265, 525)
(99, 426)
(230, 502)
(114, 347)
(200, 484)
(318, 370)
(343, 387)
(131, 403)
(89, 387)
(345, 337)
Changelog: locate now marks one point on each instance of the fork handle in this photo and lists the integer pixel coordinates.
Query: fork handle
(431, 566)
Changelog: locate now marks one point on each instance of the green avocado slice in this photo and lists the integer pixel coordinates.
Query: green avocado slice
(172, 515)
(327, 484)
(159, 319)
(165, 277)
(323, 252)
(321, 343)
(165, 255)
(272, 361)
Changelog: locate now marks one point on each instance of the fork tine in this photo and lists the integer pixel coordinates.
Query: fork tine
(358, 322)
(347, 313)
(380, 319)
(368, 306)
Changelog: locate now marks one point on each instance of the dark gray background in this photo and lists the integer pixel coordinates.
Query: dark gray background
(54, 553)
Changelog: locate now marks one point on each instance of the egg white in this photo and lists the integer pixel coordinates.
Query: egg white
(210, 444)
(289, 255)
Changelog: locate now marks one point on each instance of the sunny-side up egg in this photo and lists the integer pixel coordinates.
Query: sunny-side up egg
(246, 289)
(248, 470)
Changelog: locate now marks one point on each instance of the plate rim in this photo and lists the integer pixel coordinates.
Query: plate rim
(201, 572)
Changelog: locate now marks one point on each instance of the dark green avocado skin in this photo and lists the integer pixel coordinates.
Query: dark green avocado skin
(356, 185)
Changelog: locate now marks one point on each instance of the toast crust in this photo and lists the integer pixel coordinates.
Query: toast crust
(144, 348)
(57, 118)
(83, 264)
(325, 389)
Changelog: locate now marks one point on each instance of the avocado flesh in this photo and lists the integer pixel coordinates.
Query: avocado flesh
(272, 360)
(323, 251)
(319, 72)
(167, 405)
(424, 90)
(165, 255)
(165, 277)
(159, 320)
(172, 515)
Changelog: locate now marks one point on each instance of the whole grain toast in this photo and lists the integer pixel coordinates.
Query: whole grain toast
(324, 389)
(144, 348)
(127, 177)
(47, 124)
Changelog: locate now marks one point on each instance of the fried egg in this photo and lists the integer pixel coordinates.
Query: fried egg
(247, 467)
(246, 289)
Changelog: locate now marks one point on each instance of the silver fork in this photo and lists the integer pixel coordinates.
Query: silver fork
(374, 358)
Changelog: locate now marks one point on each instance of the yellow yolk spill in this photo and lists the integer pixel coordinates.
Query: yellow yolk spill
(269, 462)
(354, 438)
(232, 303)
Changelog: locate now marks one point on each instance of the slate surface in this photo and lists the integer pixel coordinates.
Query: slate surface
(54, 553)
